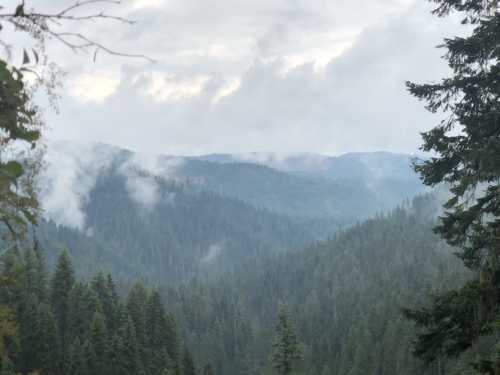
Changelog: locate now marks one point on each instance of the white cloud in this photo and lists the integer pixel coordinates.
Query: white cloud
(141, 4)
(267, 75)
(142, 171)
(229, 88)
(164, 87)
(71, 174)
(95, 87)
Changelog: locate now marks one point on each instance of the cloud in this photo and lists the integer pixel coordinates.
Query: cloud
(142, 171)
(165, 87)
(285, 76)
(95, 87)
(71, 174)
(213, 252)
(72, 170)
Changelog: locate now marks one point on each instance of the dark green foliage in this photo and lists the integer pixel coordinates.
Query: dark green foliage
(188, 363)
(343, 189)
(467, 149)
(61, 286)
(187, 233)
(83, 329)
(286, 349)
(345, 296)
(18, 123)
(208, 370)
(7, 368)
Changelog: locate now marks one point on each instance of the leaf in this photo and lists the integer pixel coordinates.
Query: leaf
(31, 136)
(12, 169)
(19, 10)
(26, 58)
(36, 55)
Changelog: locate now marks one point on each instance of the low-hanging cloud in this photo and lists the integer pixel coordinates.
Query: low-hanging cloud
(142, 172)
(72, 170)
(71, 173)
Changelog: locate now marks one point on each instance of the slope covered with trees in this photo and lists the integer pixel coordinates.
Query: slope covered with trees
(345, 296)
(55, 324)
(184, 233)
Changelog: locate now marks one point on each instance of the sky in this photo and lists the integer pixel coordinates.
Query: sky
(238, 76)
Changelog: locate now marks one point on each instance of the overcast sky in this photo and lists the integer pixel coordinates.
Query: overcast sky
(322, 76)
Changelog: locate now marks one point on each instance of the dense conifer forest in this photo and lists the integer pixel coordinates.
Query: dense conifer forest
(117, 263)
(54, 323)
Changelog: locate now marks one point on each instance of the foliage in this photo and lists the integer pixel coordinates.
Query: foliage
(18, 123)
(345, 296)
(467, 149)
(286, 347)
(186, 233)
(66, 326)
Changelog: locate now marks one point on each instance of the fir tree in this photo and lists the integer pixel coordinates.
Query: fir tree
(98, 345)
(131, 351)
(7, 367)
(188, 363)
(467, 157)
(48, 349)
(208, 370)
(286, 347)
(61, 284)
(77, 362)
(136, 303)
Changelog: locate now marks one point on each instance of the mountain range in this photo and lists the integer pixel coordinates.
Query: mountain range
(167, 218)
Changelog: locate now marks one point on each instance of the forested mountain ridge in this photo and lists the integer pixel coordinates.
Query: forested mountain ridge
(169, 218)
(183, 233)
(378, 180)
(340, 189)
(345, 295)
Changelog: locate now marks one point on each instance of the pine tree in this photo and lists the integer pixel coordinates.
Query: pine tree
(156, 333)
(467, 157)
(61, 284)
(172, 344)
(98, 345)
(131, 350)
(7, 367)
(77, 364)
(208, 370)
(136, 303)
(286, 347)
(188, 363)
(29, 339)
(48, 350)
(116, 360)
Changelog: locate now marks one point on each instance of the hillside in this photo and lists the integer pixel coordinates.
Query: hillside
(344, 294)
(183, 233)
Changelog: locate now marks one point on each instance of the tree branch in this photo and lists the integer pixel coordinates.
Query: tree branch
(41, 21)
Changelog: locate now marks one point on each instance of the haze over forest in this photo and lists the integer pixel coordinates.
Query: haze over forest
(239, 187)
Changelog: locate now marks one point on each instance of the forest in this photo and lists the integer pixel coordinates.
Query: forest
(115, 261)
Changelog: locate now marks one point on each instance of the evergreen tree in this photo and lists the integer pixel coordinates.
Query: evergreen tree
(131, 351)
(208, 370)
(7, 367)
(116, 361)
(156, 333)
(467, 157)
(48, 349)
(188, 363)
(136, 304)
(286, 347)
(172, 343)
(98, 348)
(61, 284)
(29, 339)
(77, 362)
